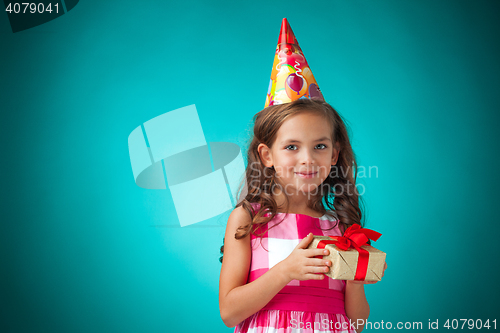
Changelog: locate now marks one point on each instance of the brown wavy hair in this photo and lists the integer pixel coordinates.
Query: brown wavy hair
(338, 196)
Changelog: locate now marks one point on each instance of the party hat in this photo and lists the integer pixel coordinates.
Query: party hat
(291, 77)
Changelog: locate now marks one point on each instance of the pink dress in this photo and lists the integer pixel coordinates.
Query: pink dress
(312, 306)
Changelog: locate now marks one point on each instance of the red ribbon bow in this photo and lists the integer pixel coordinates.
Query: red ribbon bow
(354, 237)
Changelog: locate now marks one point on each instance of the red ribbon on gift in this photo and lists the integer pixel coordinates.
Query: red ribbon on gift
(354, 237)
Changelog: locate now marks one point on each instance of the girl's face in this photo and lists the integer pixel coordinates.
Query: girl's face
(302, 154)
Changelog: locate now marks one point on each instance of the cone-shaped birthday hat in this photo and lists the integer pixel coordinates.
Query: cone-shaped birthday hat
(291, 77)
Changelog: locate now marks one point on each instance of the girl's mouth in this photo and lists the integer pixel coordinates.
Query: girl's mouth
(306, 174)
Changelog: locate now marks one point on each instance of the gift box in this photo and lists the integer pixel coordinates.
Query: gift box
(351, 257)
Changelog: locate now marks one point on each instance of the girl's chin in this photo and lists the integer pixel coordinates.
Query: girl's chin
(300, 187)
(308, 189)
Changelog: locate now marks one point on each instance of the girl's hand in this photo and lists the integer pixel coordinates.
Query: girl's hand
(367, 282)
(302, 265)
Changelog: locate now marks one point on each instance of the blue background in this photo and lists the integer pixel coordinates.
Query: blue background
(84, 249)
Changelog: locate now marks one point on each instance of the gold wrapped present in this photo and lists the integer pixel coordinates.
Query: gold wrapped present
(350, 261)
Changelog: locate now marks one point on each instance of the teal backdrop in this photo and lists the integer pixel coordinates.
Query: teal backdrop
(84, 249)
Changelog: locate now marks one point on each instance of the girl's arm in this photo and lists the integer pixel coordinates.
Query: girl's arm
(239, 300)
(356, 305)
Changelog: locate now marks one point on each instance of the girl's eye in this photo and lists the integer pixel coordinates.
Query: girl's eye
(293, 147)
(322, 146)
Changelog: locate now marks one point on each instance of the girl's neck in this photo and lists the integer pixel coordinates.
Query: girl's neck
(297, 204)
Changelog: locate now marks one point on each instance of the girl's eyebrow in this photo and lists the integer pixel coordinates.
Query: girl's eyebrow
(297, 141)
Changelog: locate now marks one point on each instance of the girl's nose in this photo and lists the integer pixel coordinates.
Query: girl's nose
(307, 157)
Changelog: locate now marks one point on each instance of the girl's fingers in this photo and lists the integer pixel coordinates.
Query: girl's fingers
(318, 262)
(317, 269)
(305, 241)
(362, 282)
(315, 277)
(317, 252)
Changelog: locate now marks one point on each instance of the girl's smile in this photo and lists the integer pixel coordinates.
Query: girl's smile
(306, 174)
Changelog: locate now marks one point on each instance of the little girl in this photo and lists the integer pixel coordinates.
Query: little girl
(301, 182)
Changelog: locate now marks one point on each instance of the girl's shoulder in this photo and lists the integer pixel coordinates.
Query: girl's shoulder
(238, 220)
(240, 214)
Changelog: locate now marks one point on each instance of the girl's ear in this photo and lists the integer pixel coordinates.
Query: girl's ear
(265, 155)
(336, 152)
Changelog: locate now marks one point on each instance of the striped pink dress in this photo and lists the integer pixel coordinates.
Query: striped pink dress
(312, 306)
